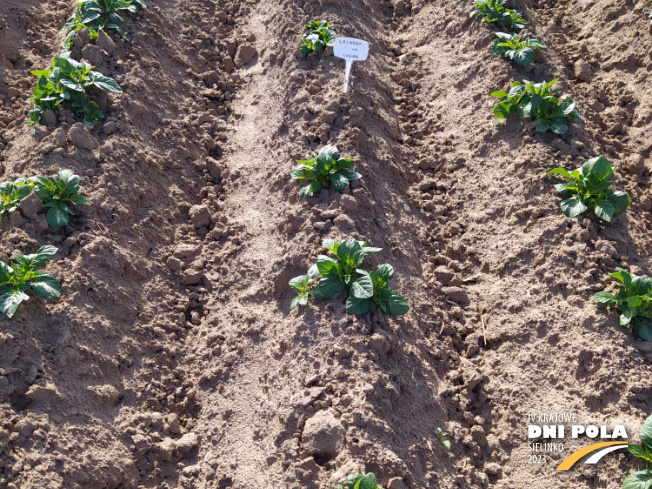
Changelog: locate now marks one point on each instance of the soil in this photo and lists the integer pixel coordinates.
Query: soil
(172, 359)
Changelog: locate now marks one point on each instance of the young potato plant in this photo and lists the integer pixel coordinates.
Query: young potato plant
(58, 194)
(22, 275)
(360, 481)
(494, 12)
(100, 14)
(321, 35)
(510, 46)
(323, 170)
(367, 291)
(442, 438)
(643, 478)
(538, 101)
(11, 193)
(68, 85)
(589, 188)
(633, 301)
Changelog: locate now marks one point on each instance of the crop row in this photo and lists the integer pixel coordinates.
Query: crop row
(586, 188)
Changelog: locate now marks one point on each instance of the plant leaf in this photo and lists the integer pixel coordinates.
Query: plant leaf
(645, 432)
(357, 306)
(46, 287)
(639, 480)
(392, 303)
(643, 328)
(362, 287)
(10, 300)
(604, 210)
(606, 298)
(573, 207)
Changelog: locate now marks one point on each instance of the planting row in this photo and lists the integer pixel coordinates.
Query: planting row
(588, 187)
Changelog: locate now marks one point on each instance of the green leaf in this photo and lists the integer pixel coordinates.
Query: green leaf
(523, 56)
(643, 328)
(348, 247)
(339, 181)
(300, 300)
(392, 303)
(302, 282)
(358, 306)
(46, 287)
(310, 189)
(327, 154)
(636, 450)
(499, 94)
(351, 176)
(362, 287)
(645, 432)
(639, 480)
(44, 254)
(10, 300)
(623, 276)
(561, 171)
(385, 271)
(606, 298)
(597, 169)
(573, 207)
(620, 201)
(105, 83)
(558, 126)
(327, 266)
(604, 210)
(58, 214)
(626, 316)
(543, 125)
(328, 288)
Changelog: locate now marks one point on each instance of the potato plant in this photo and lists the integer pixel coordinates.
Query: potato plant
(321, 35)
(633, 300)
(324, 170)
(23, 274)
(69, 85)
(360, 481)
(100, 14)
(366, 290)
(442, 438)
(11, 193)
(538, 101)
(494, 12)
(58, 194)
(643, 478)
(511, 47)
(589, 188)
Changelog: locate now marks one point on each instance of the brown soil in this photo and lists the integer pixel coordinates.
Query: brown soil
(172, 359)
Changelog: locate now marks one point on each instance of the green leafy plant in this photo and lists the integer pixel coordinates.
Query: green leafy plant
(442, 438)
(58, 194)
(539, 101)
(510, 46)
(360, 481)
(321, 35)
(589, 188)
(633, 301)
(367, 291)
(324, 169)
(68, 85)
(494, 12)
(643, 478)
(21, 275)
(100, 14)
(11, 193)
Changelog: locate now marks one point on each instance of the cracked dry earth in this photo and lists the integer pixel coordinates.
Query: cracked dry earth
(173, 360)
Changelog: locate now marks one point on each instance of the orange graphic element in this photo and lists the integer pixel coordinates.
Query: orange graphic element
(575, 456)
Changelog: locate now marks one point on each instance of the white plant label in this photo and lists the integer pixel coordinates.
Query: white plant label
(350, 50)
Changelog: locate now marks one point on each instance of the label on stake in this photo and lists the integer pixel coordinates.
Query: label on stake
(350, 50)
